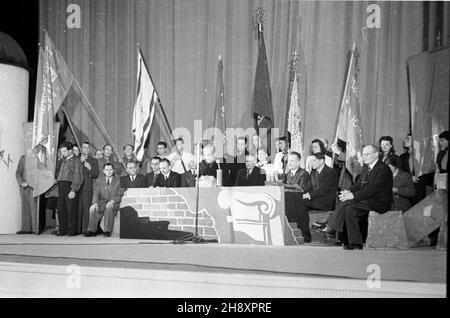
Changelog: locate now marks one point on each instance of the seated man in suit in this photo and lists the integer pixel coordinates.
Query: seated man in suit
(297, 182)
(322, 196)
(372, 192)
(133, 179)
(105, 201)
(167, 178)
(188, 178)
(151, 176)
(403, 187)
(251, 176)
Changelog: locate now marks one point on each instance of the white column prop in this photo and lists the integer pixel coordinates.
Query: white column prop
(13, 113)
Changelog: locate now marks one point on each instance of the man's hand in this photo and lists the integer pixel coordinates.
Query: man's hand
(346, 195)
(87, 165)
(93, 208)
(110, 204)
(306, 196)
(415, 179)
(395, 190)
(71, 195)
(24, 185)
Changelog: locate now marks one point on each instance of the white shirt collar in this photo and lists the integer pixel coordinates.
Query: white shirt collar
(294, 171)
(320, 170)
(372, 165)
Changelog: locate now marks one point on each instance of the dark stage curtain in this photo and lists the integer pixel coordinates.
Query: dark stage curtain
(181, 41)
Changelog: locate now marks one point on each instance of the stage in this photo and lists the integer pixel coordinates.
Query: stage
(43, 266)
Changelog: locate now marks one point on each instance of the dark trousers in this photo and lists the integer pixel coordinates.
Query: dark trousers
(421, 187)
(349, 215)
(67, 209)
(85, 201)
(302, 216)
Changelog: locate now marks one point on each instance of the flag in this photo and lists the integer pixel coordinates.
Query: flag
(349, 120)
(219, 135)
(294, 120)
(147, 110)
(262, 110)
(53, 82)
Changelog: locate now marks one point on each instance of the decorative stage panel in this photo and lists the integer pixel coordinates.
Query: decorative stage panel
(245, 215)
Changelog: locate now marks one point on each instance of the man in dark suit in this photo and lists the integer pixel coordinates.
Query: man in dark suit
(133, 179)
(151, 176)
(90, 173)
(251, 175)
(188, 178)
(236, 162)
(297, 182)
(167, 178)
(372, 192)
(105, 201)
(322, 196)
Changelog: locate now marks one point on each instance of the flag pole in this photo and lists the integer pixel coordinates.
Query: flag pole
(71, 126)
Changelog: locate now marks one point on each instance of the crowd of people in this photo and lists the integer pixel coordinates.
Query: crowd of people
(90, 184)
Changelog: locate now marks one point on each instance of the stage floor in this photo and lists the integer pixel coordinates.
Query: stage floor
(414, 267)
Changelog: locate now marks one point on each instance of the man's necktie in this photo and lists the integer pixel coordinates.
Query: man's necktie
(107, 182)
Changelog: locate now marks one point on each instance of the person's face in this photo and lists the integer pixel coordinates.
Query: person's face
(208, 155)
(256, 141)
(250, 162)
(98, 154)
(76, 151)
(85, 149)
(293, 162)
(385, 146)
(108, 171)
(240, 145)
(315, 147)
(192, 165)
(160, 150)
(154, 164)
(131, 168)
(317, 163)
(128, 151)
(282, 145)
(59, 154)
(262, 156)
(443, 143)
(107, 151)
(164, 166)
(407, 142)
(368, 156)
(393, 169)
(65, 152)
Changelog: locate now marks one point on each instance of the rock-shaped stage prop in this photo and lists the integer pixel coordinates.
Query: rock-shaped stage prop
(426, 216)
(386, 231)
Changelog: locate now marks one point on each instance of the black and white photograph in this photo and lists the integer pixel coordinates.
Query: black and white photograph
(223, 155)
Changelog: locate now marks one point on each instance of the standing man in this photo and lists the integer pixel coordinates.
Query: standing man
(133, 179)
(281, 157)
(29, 203)
(108, 157)
(90, 172)
(70, 179)
(128, 155)
(167, 178)
(179, 157)
(105, 201)
(251, 175)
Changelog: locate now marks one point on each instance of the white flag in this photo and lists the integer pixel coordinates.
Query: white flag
(294, 120)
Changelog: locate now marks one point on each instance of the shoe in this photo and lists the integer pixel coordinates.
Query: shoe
(61, 234)
(107, 234)
(24, 232)
(353, 247)
(319, 225)
(89, 234)
(54, 232)
(329, 232)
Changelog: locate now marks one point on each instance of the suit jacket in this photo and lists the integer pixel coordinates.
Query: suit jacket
(151, 179)
(188, 179)
(375, 187)
(404, 162)
(89, 175)
(324, 186)
(104, 193)
(301, 178)
(233, 165)
(405, 191)
(256, 178)
(140, 181)
(208, 169)
(173, 181)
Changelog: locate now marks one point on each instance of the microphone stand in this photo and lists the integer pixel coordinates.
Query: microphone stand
(195, 238)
